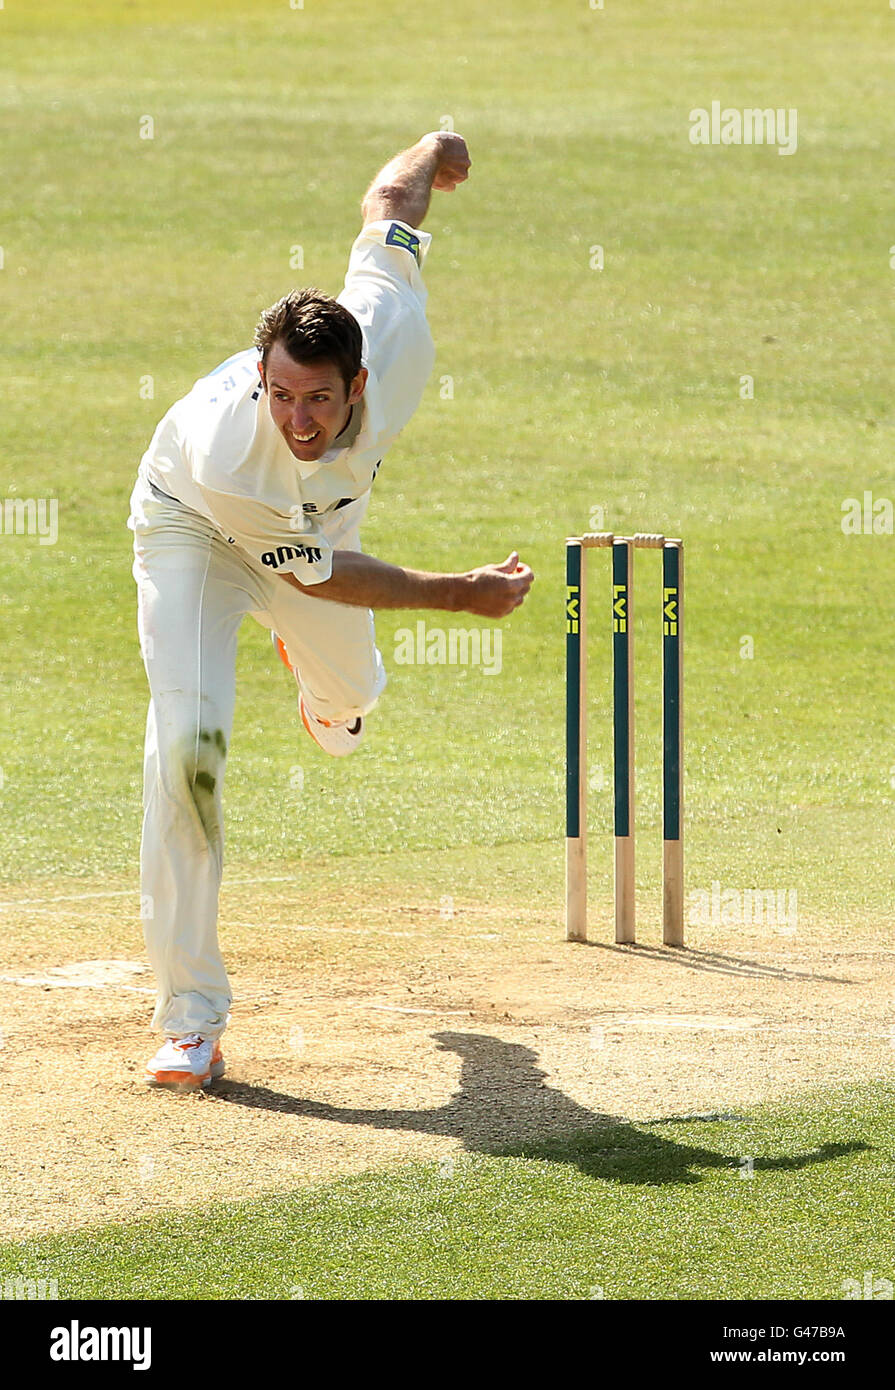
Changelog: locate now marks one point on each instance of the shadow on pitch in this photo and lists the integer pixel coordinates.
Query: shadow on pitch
(503, 1107)
(716, 962)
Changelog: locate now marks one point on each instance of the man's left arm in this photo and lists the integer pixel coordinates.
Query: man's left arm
(402, 188)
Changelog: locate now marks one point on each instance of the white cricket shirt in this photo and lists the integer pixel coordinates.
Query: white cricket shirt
(219, 452)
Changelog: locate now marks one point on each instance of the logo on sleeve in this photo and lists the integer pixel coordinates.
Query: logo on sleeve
(399, 236)
(284, 553)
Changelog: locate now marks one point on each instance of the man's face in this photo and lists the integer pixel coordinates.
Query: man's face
(308, 404)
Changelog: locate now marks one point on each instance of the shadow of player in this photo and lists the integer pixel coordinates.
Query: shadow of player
(503, 1107)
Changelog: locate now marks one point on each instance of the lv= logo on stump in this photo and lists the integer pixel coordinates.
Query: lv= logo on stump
(623, 548)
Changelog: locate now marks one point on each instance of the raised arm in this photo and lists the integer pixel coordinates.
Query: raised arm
(402, 189)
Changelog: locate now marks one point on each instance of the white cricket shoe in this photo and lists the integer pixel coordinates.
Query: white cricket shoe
(336, 737)
(185, 1064)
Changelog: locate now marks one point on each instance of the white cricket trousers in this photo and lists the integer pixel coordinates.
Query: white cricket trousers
(194, 589)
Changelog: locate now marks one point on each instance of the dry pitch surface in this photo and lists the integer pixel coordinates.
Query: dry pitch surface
(372, 1030)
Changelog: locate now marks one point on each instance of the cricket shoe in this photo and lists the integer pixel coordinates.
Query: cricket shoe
(186, 1064)
(338, 737)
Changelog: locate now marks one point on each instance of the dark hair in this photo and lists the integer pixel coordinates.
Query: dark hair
(312, 327)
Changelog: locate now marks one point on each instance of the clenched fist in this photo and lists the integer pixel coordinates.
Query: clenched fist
(493, 591)
(453, 159)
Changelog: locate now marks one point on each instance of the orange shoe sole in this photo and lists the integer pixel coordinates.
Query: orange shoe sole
(187, 1080)
(178, 1080)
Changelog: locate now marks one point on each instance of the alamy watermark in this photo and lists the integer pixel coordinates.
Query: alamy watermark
(729, 907)
(20, 1288)
(79, 1342)
(458, 646)
(868, 1287)
(753, 125)
(867, 515)
(31, 516)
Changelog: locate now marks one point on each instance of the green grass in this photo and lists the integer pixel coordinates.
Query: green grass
(640, 1211)
(581, 398)
(574, 390)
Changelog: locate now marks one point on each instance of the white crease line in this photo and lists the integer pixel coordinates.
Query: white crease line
(753, 1028)
(128, 893)
(827, 1031)
(693, 1025)
(47, 983)
(400, 1009)
(367, 931)
(74, 898)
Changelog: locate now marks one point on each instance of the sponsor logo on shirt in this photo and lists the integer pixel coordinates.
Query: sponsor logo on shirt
(399, 236)
(284, 553)
(311, 508)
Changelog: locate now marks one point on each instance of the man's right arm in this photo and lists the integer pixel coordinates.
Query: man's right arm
(491, 591)
(401, 190)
